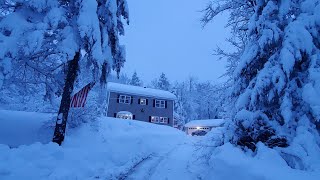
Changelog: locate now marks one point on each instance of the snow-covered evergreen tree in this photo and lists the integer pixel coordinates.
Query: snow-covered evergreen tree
(161, 83)
(135, 80)
(122, 79)
(35, 50)
(277, 79)
(59, 43)
(31, 55)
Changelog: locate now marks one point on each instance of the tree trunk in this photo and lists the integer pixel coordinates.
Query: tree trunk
(61, 122)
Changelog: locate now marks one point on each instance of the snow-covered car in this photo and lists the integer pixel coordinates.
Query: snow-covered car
(199, 133)
(124, 115)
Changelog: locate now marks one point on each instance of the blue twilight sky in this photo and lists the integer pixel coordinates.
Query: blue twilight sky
(166, 36)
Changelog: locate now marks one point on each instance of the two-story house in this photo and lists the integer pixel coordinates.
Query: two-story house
(143, 104)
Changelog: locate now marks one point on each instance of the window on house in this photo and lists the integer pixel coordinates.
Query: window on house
(155, 119)
(164, 120)
(143, 101)
(160, 103)
(125, 99)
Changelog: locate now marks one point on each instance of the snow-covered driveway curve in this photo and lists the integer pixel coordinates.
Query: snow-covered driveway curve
(172, 164)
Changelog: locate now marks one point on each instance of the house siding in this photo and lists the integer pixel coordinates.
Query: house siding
(140, 112)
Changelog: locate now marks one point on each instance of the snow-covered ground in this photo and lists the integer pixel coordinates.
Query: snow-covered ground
(120, 149)
(24, 128)
(107, 149)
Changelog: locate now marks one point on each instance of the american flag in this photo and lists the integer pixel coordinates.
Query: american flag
(79, 99)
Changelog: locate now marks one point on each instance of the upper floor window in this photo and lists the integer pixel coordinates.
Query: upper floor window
(143, 101)
(160, 103)
(125, 99)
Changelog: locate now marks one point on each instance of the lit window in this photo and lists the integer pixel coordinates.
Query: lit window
(124, 115)
(143, 101)
(160, 103)
(155, 119)
(125, 99)
(164, 120)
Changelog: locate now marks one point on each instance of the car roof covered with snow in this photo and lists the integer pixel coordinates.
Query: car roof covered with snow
(141, 91)
(124, 112)
(206, 122)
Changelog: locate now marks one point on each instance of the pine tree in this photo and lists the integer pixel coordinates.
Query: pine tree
(51, 36)
(47, 34)
(99, 38)
(31, 55)
(276, 78)
(161, 83)
(135, 80)
(122, 79)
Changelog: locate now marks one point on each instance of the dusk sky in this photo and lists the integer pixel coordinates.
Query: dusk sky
(166, 36)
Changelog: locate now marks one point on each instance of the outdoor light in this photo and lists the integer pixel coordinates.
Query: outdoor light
(198, 127)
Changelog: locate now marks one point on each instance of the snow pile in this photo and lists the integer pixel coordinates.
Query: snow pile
(225, 161)
(228, 160)
(24, 128)
(109, 149)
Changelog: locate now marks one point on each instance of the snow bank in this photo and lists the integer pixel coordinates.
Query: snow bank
(24, 128)
(229, 161)
(226, 161)
(106, 149)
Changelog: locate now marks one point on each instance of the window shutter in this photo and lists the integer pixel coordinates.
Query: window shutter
(131, 99)
(166, 104)
(139, 101)
(134, 117)
(146, 101)
(168, 121)
(149, 118)
(154, 103)
(118, 99)
(115, 114)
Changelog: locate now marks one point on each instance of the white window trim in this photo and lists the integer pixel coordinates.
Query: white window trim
(145, 101)
(155, 119)
(163, 120)
(160, 103)
(124, 98)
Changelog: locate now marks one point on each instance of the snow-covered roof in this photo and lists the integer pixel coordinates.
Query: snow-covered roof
(136, 90)
(207, 123)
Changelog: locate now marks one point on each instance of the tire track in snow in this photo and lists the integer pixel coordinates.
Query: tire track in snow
(176, 164)
(147, 168)
(124, 175)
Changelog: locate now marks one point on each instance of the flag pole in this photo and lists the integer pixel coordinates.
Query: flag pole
(59, 132)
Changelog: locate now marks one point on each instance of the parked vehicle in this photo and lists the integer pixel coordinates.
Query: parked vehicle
(124, 115)
(199, 133)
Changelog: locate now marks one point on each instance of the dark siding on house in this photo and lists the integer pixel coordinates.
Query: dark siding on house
(140, 112)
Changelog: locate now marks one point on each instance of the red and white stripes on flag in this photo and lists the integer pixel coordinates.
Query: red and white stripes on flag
(79, 99)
